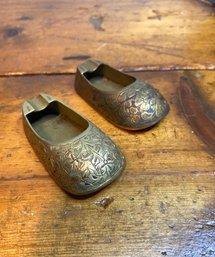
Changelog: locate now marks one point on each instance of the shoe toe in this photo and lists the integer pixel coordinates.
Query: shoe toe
(144, 106)
(88, 164)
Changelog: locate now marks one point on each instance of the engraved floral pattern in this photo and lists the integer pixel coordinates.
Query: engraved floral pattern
(138, 105)
(82, 165)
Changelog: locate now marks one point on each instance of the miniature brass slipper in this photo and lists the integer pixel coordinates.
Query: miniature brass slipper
(78, 156)
(122, 99)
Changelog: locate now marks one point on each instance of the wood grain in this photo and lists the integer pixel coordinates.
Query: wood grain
(149, 216)
(204, 83)
(163, 204)
(53, 36)
(198, 109)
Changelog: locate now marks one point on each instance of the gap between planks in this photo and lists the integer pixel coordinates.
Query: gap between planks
(125, 69)
(183, 173)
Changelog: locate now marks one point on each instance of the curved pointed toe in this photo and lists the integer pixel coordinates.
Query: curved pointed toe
(78, 156)
(122, 99)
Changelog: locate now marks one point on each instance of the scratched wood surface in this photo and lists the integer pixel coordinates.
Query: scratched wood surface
(162, 205)
(164, 202)
(49, 36)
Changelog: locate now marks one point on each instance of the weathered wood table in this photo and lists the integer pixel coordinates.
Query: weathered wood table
(164, 202)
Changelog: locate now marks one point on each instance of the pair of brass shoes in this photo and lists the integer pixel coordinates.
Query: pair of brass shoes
(78, 155)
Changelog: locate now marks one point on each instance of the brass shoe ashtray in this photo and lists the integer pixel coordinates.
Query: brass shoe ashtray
(122, 99)
(78, 156)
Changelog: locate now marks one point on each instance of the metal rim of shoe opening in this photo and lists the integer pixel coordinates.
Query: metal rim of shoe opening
(78, 156)
(122, 99)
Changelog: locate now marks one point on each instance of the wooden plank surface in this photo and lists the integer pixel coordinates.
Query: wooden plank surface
(150, 216)
(52, 36)
(163, 204)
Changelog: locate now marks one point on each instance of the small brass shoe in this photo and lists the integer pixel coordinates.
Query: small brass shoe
(122, 99)
(78, 156)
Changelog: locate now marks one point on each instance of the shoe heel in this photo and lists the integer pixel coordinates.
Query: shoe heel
(88, 66)
(38, 103)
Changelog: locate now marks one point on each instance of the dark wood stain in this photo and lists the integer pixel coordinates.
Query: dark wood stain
(104, 202)
(25, 18)
(12, 32)
(210, 2)
(196, 115)
(76, 57)
(96, 21)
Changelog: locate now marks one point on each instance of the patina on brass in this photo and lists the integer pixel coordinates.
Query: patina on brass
(124, 100)
(78, 156)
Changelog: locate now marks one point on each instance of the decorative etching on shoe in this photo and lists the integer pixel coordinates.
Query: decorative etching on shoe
(137, 104)
(90, 160)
